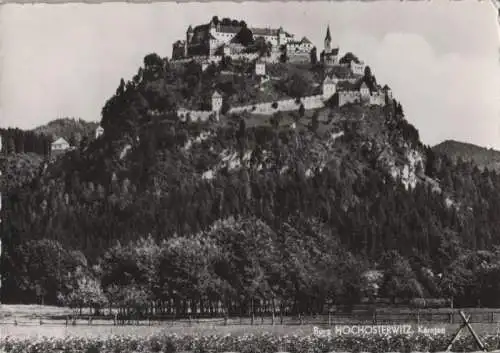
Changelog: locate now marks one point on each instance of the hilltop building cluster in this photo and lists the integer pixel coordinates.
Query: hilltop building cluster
(358, 92)
(209, 43)
(230, 38)
(347, 92)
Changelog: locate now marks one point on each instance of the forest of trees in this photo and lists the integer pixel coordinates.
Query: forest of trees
(39, 139)
(21, 141)
(97, 229)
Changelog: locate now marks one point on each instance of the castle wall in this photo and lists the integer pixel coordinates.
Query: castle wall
(178, 50)
(329, 90)
(274, 40)
(273, 58)
(346, 97)
(194, 115)
(377, 99)
(198, 49)
(248, 56)
(260, 69)
(223, 37)
(218, 58)
(330, 60)
(357, 69)
(286, 105)
(292, 48)
(299, 57)
(313, 102)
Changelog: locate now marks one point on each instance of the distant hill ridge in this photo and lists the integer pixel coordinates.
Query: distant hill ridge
(481, 156)
(67, 128)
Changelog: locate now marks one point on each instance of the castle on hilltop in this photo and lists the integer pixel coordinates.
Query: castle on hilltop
(228, 37)
(211, 42)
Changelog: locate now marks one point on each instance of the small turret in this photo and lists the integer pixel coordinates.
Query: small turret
(260, 68)
(216, 104)
(387, 91)
(213, 28)
(329, 87)
(365, 91)
(189, 34)
(216, 101)
(281, 36)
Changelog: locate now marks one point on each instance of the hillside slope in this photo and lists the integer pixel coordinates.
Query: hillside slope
(267, 201)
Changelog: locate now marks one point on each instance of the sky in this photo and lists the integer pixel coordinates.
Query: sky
(441, 58)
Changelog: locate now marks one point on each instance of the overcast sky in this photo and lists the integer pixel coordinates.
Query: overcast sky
(440, 58)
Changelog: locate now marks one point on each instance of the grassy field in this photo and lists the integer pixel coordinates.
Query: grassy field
(28, 318)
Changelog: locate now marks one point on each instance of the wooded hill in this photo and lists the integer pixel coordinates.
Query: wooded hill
(297, 207)
(481, 156)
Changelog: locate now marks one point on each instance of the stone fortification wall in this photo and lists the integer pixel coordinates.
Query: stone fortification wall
(285, 105)
(218, 58)
(377, 99)
(346, 97)
(194, 115)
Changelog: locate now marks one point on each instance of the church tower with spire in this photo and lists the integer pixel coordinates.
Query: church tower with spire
(328, 40)
(329, 56)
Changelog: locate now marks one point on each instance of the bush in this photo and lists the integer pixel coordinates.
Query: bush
(249, 343)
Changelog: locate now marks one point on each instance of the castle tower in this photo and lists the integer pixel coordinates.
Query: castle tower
(329, 87)
(281, 36)
(212, 28)
(260, 68)
(216, 102)
(387, 91)
(365, 91)
(189, 35)
(328, 40)
(212, 45)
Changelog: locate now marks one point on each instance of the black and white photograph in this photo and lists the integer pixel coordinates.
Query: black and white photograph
(250, 177)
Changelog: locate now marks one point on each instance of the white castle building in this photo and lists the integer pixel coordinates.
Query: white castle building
(221, 38)
(216, 37)
(363, 95)
(216, 102)
(329, 87)
(260, 68)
